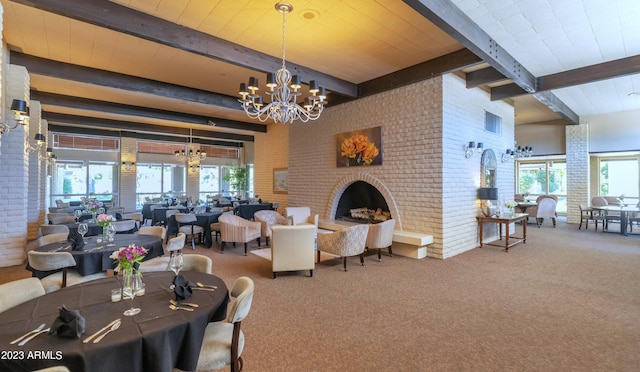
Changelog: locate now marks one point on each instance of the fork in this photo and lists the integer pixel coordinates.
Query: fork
(23, 342)
(40, 328)
(176, 303)
(173, 307)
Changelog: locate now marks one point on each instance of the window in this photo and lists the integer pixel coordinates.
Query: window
(153, 180)
(619, 176)
(546, 177)
(72, 180)
(209, 181)
(492, 123)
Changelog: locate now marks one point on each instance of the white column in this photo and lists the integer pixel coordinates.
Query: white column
(578, 170)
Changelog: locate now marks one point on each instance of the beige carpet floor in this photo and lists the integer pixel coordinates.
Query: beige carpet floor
(567, 300)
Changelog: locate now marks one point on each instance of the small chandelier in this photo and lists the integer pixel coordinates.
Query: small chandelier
(190, 156)
(283, 90)
(517, 153)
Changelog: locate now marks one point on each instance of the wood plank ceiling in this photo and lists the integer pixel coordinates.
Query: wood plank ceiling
(160, 64)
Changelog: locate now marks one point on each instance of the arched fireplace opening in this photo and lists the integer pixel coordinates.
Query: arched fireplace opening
(367, 199)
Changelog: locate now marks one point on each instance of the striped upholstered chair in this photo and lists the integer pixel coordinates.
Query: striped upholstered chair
(234, 229)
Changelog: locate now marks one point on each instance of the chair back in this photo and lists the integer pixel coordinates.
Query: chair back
(269, 218)
(177, 243)
(171, 212)
(197, 262)
(546, 208)
(54, 229)
(60, 218)
(126, 226)
(230, 219)
(243, 292)
(184, 218)
(599, 201)
(158, 231)
(293, 247)
(380, 235)
(299, 214)
(18, 291)
(612, 200)
(52, 238)
(49, 261)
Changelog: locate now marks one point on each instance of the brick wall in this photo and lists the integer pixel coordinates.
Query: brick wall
(14, 168)
(128, 181)
(578, 170)
(271, 151)
(35, 172)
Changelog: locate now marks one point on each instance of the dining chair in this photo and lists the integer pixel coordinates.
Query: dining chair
(268, 219)
(136, 216)
(293, 248)
(53, 229)
(158, 231)
(60, 218)
(234, 229)
(589, 214)
(125, 227)
(162, 263)
(187, 225)
(345, 243)
(223, 342)
(53, 369)
(380, 236)
(62, 263)
(18, 291)
(608, 216)
(52, 238)
(191, 262)
(546, 208)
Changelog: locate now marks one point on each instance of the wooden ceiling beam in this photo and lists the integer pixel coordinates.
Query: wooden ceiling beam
(454, 61)
(485, 76)
(129, 21)
(87, 75)
(448, 17)
(590, 74)
(61, 100)
(61, 119)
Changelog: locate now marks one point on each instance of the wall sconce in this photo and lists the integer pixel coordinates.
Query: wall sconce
(49, 157)
(21, 115)
(194, 168)
(471, 149)
(40, 141)
(488, 195)
(520, 152)
(128, 165)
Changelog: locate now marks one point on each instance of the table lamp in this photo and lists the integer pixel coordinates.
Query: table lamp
(488, 195)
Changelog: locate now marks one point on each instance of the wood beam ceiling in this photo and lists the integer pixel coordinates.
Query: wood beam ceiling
(126, 20)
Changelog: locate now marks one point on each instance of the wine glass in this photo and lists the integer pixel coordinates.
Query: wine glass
(111, 233)
(131, 285)
(77, 213)
(83, 229)
(175, 264)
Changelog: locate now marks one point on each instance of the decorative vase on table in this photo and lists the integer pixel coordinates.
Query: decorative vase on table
(94, 217)
(127, 258)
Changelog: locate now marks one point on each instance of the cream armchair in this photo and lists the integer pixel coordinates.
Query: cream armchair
(345, 243)
(236, 229)
(292, 248)
(301, 215)
(268, 219)
(546, 208)
(380, 236)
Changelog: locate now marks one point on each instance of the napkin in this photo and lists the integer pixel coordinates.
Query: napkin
(182, 288)
(69, 323)
(74, 237)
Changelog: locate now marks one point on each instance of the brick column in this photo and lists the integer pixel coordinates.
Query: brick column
(193, 175)
(35, 172)
(14, 168)
(127, 193)
(578, 170)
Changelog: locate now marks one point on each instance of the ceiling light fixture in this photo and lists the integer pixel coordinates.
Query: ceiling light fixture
(519, 152)
(283, 90)
(190, 156)
(21, 115)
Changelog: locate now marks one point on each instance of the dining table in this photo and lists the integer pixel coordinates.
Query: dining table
(624, 210)
(159, 215)
(203, 219)
(94, 256)
(156, 339)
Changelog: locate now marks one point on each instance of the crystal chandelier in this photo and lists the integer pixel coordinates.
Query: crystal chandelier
(190, 156)
(283, 90)
(517, 153)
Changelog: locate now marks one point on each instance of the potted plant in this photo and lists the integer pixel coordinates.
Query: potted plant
(237, 178)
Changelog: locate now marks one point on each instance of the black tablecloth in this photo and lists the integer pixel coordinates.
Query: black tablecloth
(159, 215)
(157, 339)
(94, 228)
(146, 210)
(88, 263)
(204, 219)
(246, 211)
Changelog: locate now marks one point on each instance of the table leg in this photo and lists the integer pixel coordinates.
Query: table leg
(524, 232)
(623, 222)
(507, 236)
(500, 227)
(480, 226)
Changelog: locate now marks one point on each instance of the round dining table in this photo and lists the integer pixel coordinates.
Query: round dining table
(94, 258)
(624, 211)
(156, 339)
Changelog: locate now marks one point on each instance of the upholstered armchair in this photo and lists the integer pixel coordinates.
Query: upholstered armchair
(268, 219)
(236, 229)
(546, 208)
(380, 236)
(19, 291)
(293, 248)
(533, 211)
(345, 243)
(301, 215)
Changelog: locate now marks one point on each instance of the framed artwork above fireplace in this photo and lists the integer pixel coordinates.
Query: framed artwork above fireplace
(359, 148)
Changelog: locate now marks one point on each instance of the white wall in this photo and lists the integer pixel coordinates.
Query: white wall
(614, 132)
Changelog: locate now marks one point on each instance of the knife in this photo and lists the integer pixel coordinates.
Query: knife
(86, 340)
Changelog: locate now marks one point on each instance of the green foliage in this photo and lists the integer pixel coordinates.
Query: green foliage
(237, 178)
(604, 179)
(67, 188)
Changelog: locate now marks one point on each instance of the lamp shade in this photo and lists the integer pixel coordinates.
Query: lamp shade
(19, 106)
(488, 193)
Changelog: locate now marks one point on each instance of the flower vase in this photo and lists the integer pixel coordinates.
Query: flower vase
(105, 236)
(94, 217)
(512, 212)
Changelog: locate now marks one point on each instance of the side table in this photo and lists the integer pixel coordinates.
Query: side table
(509, 241)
